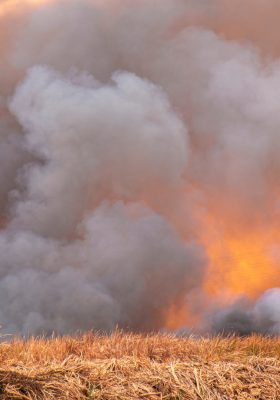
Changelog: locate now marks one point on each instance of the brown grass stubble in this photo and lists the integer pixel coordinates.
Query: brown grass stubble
(124, 366)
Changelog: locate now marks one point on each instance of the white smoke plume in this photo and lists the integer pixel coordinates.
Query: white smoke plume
(123, 123)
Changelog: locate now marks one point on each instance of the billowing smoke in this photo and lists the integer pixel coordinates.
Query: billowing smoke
(139, 148)
(244, 317)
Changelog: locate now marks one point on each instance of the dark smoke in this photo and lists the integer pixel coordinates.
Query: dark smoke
(244, 317)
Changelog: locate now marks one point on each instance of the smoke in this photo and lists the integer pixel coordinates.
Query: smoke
(244, 317)
(139, 146)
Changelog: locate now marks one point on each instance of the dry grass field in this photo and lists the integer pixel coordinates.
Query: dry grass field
(124, 366)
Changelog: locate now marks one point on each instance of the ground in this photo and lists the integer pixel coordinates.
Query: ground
(125, 366)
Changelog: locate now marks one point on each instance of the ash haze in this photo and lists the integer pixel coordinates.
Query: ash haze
(139, 150)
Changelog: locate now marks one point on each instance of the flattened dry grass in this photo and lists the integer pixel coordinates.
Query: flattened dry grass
(124, 366)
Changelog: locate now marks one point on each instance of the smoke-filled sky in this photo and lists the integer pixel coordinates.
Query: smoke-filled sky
(140, 168)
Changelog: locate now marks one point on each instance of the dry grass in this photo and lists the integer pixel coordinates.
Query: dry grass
(140, 367)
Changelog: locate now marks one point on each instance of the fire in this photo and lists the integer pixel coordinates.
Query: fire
(12, 5)
(241, 261)
(179, 315)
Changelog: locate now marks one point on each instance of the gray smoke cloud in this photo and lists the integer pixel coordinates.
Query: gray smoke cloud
(244, 317)
(109, 113)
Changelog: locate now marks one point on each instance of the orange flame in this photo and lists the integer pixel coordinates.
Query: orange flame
(241, 261)
(242, 256)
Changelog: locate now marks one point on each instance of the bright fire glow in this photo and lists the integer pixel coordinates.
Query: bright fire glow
(12, 5)
(242, 257)
(241, 261)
